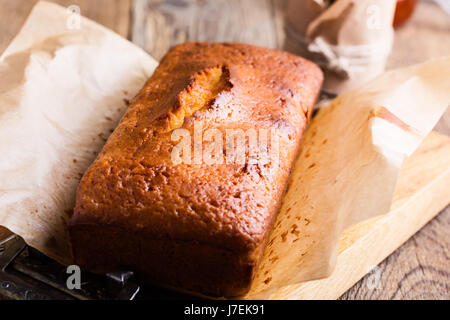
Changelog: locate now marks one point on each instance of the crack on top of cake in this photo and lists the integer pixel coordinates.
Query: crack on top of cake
(203, 89)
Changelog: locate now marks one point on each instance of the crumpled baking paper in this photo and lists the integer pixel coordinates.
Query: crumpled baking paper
(347, 169)
(62, 91)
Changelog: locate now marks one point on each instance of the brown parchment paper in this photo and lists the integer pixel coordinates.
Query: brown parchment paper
(62, 92)
(350, 39)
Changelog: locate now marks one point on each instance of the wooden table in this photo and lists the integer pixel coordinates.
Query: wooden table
(420, 269)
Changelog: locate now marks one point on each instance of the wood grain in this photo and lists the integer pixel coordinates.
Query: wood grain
(417, 270)
(114, 14)
(158, 25)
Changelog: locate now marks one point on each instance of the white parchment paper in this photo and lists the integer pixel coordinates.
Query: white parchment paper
(62, 92)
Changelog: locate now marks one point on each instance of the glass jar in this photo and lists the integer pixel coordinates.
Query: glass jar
(404, 11)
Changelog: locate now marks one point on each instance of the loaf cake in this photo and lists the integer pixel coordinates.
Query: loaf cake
(195, 225)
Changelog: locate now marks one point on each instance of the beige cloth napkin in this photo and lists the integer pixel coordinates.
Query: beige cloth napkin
(350, 39)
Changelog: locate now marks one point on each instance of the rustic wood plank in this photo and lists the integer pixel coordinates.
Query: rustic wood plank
(114, 14)
(158, 25)
(417, 270)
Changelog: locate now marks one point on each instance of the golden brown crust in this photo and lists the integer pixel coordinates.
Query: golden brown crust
(135, 201)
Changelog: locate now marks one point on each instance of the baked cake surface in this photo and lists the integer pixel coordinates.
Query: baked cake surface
(193, 225)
